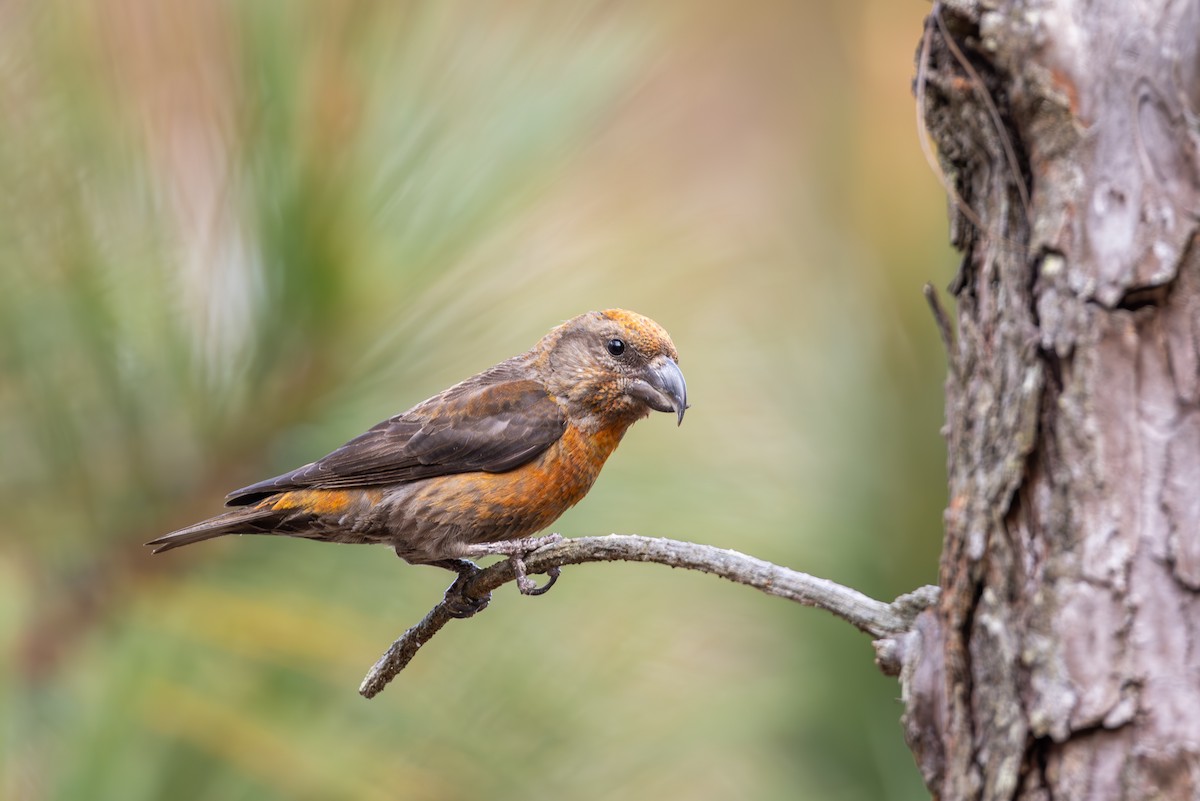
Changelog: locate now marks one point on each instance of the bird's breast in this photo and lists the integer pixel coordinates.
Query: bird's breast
(483, 507)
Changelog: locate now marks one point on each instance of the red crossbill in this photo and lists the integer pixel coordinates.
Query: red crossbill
(479, 468)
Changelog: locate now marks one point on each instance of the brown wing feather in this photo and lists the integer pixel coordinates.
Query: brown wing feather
(491, 427)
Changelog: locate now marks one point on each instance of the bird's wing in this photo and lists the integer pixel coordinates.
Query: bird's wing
(489, 427)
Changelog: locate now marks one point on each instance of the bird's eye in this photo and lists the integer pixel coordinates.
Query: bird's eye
(616, 346)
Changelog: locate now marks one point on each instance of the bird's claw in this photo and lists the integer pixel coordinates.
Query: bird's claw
(517, 550)
(458, 603)
(528, 586)
(462, 607)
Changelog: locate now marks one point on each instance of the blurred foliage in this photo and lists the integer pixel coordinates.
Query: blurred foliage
(233, 235)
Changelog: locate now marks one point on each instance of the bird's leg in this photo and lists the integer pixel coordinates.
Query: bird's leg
(516, 551)
(458, 604)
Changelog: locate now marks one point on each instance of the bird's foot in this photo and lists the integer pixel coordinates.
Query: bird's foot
(458, 603)
(516, 551)
(528, 586)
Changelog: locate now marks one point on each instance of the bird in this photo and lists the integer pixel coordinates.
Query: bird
(481, 467)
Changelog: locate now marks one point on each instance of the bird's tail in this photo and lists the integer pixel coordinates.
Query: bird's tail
(247, 520)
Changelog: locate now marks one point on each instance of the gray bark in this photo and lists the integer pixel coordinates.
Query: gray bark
(1063, 660)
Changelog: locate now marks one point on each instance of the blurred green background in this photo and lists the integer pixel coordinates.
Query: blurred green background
(234, 235)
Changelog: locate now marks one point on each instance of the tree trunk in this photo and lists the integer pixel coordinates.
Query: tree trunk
(1063, 661)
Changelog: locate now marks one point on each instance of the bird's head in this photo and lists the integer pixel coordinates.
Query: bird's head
(613, 367)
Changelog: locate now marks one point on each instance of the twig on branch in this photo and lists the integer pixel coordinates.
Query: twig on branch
(978, 87)
(923, 137)
(876, 618)
(943, 322)
(1010, 154)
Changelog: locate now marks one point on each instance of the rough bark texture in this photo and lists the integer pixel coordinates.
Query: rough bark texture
(1063, 661)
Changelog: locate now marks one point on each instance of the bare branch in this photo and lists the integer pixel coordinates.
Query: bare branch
(876, 618)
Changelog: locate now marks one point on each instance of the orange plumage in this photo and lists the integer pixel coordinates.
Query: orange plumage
(488, 461)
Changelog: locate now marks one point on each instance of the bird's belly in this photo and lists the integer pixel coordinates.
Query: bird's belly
(441, 513)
